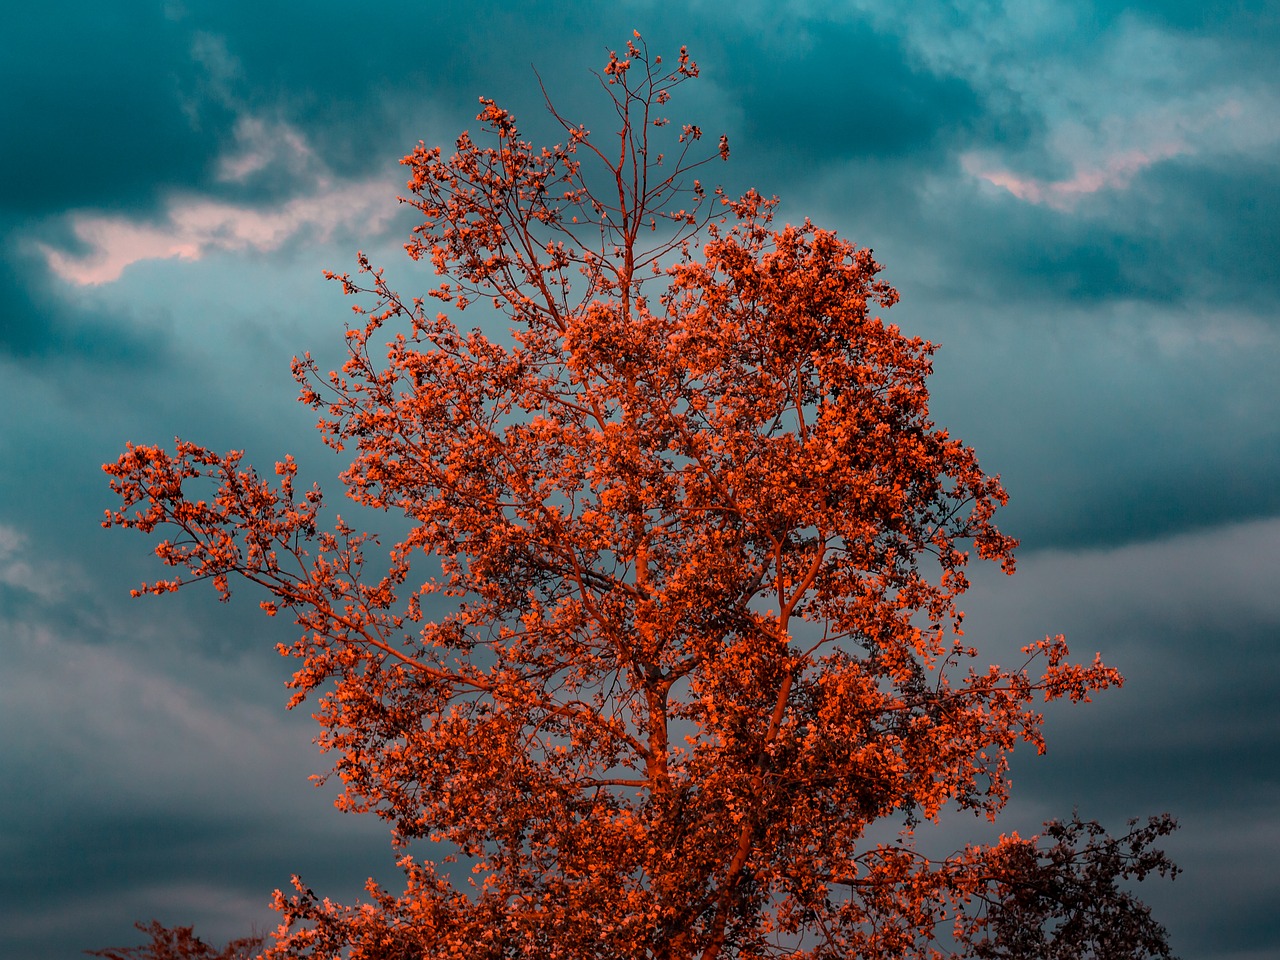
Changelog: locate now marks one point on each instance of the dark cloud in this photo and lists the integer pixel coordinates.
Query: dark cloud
(1184, 232)
(147, 778)
(38, 326)
(1209, 231)
(364, 88)
(840, 91)
(78, 883)
(1111, 426)
(94, 109)
(137, 108)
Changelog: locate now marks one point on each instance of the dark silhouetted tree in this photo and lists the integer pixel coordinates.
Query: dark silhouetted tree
(180, 943)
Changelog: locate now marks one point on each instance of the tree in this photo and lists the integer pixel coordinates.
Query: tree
(674, 621)
(180, 943)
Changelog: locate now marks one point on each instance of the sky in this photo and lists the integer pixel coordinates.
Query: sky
(1079, 201)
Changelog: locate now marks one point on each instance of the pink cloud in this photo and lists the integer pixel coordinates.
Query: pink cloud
(194, 227)
(1115, 173)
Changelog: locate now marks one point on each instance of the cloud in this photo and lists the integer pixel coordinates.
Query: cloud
(802, 94)
(225, 911)
(194, 226)
(146, 780)
(1114, 93)
(43, 580)
(108, 722)
(130, 706)
(301, 194)
(1115, 174)
(1192, 581)
(1109, 154)
(261, 145)
(1190, 621)
(221, 67)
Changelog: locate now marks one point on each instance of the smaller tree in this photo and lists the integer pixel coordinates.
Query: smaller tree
(180, 943)
(1063, 895)
(675, 620)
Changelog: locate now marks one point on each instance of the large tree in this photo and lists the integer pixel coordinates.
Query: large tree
(674, 619)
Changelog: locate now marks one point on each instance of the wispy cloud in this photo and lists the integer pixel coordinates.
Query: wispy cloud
(195, 226)
(1108, 153)
(42, 580)
(261, 145)
(1113, 173)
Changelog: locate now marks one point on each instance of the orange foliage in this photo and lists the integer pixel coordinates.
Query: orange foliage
(675, 619)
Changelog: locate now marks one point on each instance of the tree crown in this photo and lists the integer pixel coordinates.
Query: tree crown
(689, 623)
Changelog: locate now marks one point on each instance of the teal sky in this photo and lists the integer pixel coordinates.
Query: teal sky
(1079, 201)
